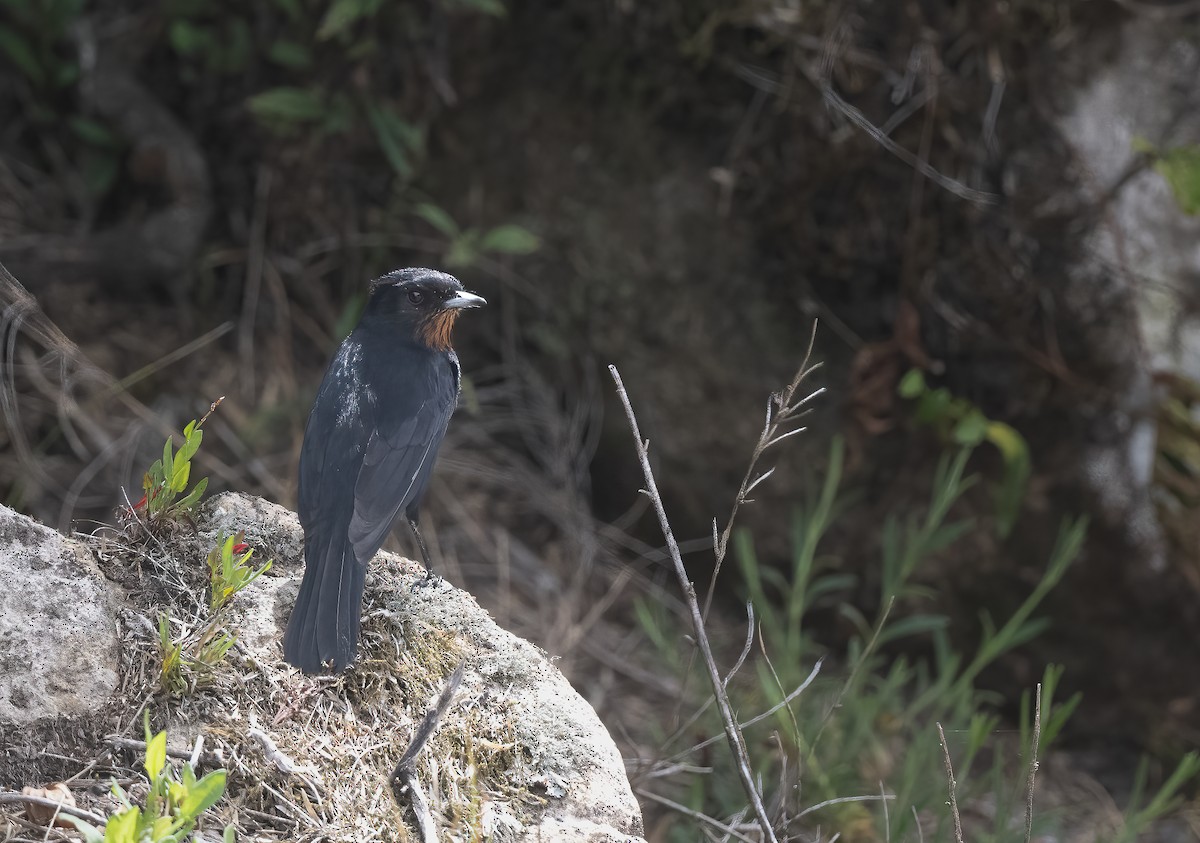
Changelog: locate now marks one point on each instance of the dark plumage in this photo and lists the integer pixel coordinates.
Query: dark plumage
(368, 452)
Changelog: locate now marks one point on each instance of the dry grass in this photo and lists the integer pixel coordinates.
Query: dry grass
(309, 758)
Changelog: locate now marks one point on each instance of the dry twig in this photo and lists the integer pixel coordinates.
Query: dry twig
(782, 408)
(404, 776)
(953, 786)
(733, 734)
(1034, 740)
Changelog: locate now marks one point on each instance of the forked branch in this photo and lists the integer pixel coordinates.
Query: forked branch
(783, 409)
(733, 734)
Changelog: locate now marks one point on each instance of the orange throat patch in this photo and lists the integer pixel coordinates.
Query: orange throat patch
(435, 330)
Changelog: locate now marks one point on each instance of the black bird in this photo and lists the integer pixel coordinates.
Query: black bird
(369, 448)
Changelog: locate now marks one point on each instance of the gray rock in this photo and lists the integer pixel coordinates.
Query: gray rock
(58, 630)
(569, 759)
(1144, 245)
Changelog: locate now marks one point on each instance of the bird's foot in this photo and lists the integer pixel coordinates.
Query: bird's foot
(430, 580)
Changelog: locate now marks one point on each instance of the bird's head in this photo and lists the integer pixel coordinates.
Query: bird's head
(424, 300)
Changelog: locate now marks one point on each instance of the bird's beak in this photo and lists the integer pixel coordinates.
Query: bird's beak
(463, 300)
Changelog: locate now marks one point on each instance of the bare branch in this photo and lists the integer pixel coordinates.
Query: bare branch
(953, 786)
(8, 797)
(1034, 740)
(696, 815)
(404, 776)
(733, 735)
(883, 797)
(800, 689)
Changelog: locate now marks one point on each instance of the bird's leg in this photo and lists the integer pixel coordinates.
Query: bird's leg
(412, 522)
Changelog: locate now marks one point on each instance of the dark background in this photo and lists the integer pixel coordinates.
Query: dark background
(679, 188)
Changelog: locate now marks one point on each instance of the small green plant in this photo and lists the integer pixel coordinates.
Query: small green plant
(168, 477)
(171, 676)
(33, 38)
(1142, 811)
(465, 247)
(228, 570)
(874, 722)
(870, 722)
(173, 805)
(312, 43)
(1180, 168)
(189, 662)
(964, 424)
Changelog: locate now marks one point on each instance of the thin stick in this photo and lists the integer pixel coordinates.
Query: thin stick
(7, 797)
(696, 815)
(732, 733)
(204, 759)
(958, 835)
(841, 800)
(404, 776)
(1033, 763)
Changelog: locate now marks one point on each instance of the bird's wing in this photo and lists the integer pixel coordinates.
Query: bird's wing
(334, 442)
(399, 458)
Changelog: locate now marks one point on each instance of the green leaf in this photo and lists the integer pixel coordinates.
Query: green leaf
(237, 48)
(1010, 443)
(156, 755)
(971, 428)
(291, 55)
(288, 105)
(121, 827)
(341, 16)
(93, 132)
(90, 833)
(1181, 169)
(510, 240)
(390, 131)
(193, 496)
(438, 218)
(487, 7)
(66, 75)
(204, 795)
(912, 384)
(191, 444)
(179, 479)
(168, 461)
(190, 40)
(100, 170)
(464, 249)
(13, 45)
(161, 828)
(230, 835)
(291, 8)
(1143, 146)
(913, 625)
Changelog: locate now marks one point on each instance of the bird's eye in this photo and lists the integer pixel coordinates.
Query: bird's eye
(416, 296)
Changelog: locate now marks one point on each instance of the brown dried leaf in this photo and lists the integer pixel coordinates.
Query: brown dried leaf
(43, 814)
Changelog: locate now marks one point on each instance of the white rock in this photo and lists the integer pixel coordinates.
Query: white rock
(58, 630)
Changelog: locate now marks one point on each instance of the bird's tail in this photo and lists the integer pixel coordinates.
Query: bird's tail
(323, 629)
